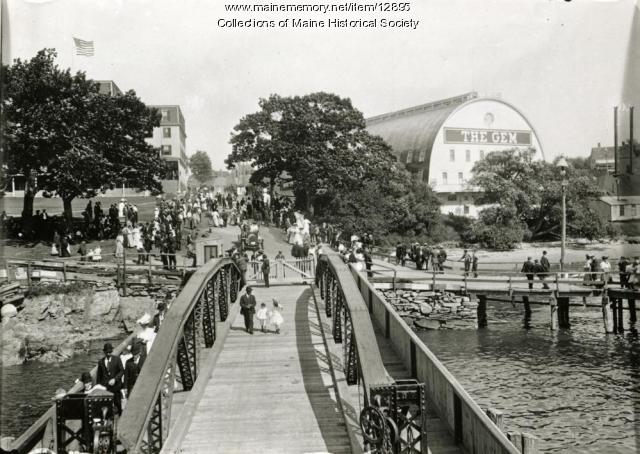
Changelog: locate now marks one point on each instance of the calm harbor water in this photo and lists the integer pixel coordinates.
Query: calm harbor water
(578, 390)
(27, 389)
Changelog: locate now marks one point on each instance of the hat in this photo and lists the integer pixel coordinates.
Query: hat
(144, 320)
(135, 348)
(86, 378)
(60, 393)
(162, 306)
(108, 348)
(249, 288)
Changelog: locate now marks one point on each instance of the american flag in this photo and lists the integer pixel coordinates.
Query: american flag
(83, 47)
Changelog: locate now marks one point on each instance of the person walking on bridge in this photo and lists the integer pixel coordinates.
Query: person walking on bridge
(528, 268)
(247, 309)
(109, 375)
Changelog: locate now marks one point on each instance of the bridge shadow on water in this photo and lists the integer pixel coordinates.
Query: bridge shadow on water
(314, 364)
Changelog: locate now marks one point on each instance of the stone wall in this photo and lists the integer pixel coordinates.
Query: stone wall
(424, 309)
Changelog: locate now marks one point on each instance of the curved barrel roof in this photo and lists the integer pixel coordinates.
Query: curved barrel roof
(414, 130)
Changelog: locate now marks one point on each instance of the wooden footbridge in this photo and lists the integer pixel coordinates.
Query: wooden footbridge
(346, 374)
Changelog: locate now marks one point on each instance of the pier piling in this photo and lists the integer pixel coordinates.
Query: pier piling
(607, 315)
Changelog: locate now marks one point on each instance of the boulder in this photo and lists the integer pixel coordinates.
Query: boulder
(427, 324)
(102, 304)
(425, 308)
(8, 311)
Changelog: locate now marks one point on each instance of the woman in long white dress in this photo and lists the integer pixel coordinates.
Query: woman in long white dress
(130, 239)
(360, 260)
(137, 238)
(216, 218)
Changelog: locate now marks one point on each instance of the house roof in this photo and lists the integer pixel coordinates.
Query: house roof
(621, 200)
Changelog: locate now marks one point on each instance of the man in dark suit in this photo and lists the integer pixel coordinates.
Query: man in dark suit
(266, 269)
(248, 308)
(546, 267)
(159, 317)
(110, 373)
(133, 368)
(528, 269)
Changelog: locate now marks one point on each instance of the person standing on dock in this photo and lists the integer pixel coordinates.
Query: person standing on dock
(528, 268)
(605, 269)
(622, 269)
(109, 375)
(466, 258)
(541, 272)
(247, 309)
(544, 262)
(474, 263)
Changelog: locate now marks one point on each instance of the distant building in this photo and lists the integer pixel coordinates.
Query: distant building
(108, 87)
(617, 209)
(603, 158)
(440, 142)
(170, 137)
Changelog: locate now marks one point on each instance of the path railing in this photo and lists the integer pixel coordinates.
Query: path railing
(304, 269)
(194, 320)
(393, 419)
(471, 427)
(42, 433)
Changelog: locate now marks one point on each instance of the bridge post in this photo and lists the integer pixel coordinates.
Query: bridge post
(607, 314)
(619, 315)
(563, 312)
(553, 312)
(632, 310)
(482, 311)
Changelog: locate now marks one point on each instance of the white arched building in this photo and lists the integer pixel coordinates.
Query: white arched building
(439, 142)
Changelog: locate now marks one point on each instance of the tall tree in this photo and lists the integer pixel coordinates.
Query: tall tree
(530, 190)
(316, 142)
(73, 141)
(200, 165)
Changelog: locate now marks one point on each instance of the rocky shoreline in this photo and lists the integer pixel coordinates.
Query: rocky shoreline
(433, 310)
(53, 327)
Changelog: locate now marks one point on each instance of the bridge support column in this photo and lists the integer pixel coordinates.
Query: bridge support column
(553, 312)
(482, 311)
(632, 310)
(607, 315)
(563, 312)
(618, 321)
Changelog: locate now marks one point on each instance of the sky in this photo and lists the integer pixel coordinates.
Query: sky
(563, 64)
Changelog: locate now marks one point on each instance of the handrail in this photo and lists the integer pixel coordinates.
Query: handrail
(30, 438)
(372, 368)
(135, 418)
(453, 404)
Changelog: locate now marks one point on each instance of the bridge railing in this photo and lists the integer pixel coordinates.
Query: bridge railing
(191, 322)
(470, 426)
(41, 434)
(303, 268)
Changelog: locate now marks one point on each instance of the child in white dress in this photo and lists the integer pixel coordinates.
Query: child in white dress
(262, 316)
(276, 316)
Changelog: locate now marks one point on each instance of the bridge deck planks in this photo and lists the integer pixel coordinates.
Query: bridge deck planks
(271, 393)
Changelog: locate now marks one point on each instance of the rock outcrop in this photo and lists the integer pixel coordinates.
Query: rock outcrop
(53, 327)
(433, 310)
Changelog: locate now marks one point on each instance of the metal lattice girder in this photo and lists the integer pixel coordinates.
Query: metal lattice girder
(337, 316)
(320, 277)
(405, 404)
(153, 443)
(209, 314)
(187, 354)
(349, 348)
(222, 294)
(233, 293)
(330, 292)
(166, 397)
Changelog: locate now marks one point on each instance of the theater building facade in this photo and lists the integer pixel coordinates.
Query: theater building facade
(440, 142)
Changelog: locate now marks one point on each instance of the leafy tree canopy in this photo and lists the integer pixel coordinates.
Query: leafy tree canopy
(200, 165)
(531, 191)
(316, 142)
(75, 140)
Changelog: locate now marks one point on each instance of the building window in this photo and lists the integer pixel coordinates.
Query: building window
(422, 156)
(460, 177)
(621, 210)
(165, 114)
(452, 155)
(166, 150)
(633, 210)
(451, 198)
(444, 177)
(166, 133)
(467, 155)
(466, 209)
(425, 176)
(481, 154)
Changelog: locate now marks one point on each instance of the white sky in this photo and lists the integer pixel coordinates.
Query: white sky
(561, 63)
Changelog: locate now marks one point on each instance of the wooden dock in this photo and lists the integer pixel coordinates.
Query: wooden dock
(271, 393)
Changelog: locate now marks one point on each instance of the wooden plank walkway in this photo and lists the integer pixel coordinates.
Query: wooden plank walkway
(271, 393)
